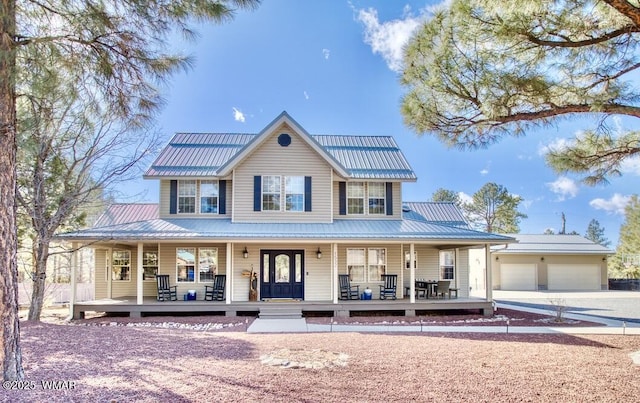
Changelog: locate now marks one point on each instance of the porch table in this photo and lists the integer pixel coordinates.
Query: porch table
(428, 286)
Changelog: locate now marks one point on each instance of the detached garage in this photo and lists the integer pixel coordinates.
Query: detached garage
(550, 262)
(583, 277)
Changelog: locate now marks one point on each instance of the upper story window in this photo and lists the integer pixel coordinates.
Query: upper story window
(447, 265)
(186, 196)
(294, 193)
(209, 197)
(271, 193)
(377, 196)
(355, 197)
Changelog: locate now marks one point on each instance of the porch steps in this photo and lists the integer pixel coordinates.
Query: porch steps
(283, 312)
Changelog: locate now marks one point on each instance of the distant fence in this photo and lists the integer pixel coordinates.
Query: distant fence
(56, 293)
(629, 284)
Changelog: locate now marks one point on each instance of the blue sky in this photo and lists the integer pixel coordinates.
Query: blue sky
(334, 67)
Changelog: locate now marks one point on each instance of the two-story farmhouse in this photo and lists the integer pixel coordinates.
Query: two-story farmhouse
(296, 209)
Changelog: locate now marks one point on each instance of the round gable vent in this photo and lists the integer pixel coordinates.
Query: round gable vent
(284, 139)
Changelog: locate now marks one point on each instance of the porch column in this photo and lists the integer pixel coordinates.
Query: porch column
(334, 272)
(74, 271)
(412, 275)
(229, 264)
(488, 282)
(108, 273)
(139, 283)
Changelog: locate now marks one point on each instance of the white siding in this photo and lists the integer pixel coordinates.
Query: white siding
(298, 159)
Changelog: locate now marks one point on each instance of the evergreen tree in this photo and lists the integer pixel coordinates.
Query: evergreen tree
(626, 262)
(480, 70)
(121, 47)
(446, 195)
(493, 209)
(595, 233)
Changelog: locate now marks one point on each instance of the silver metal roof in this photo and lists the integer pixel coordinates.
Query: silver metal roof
(224, 229)
(446, 213)
(551, 244)
(203, 154)
(122, 213)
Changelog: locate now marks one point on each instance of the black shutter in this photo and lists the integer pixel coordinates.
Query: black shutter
(222, 197)
(389, 201)
(307, 193)
(257, 193)
(342, 197)
(173, 197)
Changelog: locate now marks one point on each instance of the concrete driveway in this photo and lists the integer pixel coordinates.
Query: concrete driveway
(619, 305)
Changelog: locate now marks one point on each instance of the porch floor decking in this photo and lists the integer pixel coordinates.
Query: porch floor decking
(343, 308)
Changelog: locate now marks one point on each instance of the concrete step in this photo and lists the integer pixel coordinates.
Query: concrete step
(280, 313)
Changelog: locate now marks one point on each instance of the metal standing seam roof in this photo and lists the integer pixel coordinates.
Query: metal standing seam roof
(446, 213)
(551, 244)
(224, 229)
(202, 154)
(123, 213)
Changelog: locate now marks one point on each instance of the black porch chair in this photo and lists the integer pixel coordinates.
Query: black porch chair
(166, 292)
(215, 292)
(388, 289)
(348, 291)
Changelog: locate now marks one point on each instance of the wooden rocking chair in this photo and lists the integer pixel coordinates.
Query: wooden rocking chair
(215, 292)
(388, 289)
(348, 291)
(166, 292)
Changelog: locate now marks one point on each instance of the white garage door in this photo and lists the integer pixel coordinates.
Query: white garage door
(518, 277)
(573, 276)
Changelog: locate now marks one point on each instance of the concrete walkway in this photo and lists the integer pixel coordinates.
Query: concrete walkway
(611, 326)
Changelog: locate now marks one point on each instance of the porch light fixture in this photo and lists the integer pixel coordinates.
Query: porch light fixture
(245, 253)
(542, 259)
(319, 254)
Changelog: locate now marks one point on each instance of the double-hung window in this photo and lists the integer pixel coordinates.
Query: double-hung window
(121, 265)
(209, 197)
(186, 196)
(355, 197)
(366, 264)
(377, 194)
(271, 193)
(447, 265)
(294, 193)
(149, 265)
(377, 263)
(356, 264)
(186, 265)
(208, 264)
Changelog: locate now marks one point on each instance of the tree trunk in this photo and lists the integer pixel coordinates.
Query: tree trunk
(40, 255)
(10, 354)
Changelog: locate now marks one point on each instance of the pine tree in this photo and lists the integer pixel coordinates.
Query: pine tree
(595, 233)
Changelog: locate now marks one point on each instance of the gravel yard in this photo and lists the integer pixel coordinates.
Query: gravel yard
(212, 359)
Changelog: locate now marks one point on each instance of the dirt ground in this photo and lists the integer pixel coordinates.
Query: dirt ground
(197, 359)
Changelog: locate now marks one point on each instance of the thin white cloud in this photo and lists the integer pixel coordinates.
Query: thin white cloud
(484, 171)
(631, 166)
(388, 38)
(615, 205)
(238, 116)
(564, 187)
(306, 95)
(555, 145)
(465, 198)
(326, 53)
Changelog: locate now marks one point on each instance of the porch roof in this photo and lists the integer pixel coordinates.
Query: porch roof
(339, 230)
